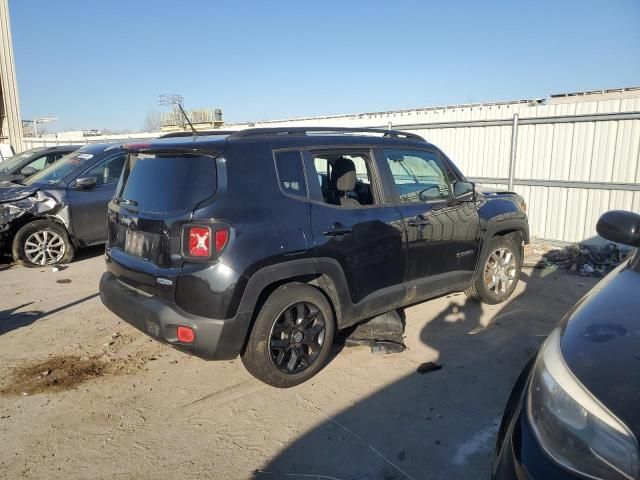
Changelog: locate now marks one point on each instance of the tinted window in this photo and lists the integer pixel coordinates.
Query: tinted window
(108, 171)
(291, 173)
(419, 176)
(163, 183)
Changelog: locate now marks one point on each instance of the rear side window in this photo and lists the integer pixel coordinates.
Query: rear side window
(291, 173)
(164, 183)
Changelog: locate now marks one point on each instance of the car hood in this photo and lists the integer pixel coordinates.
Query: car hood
(601, 342)
(11, 192)
(491, 192)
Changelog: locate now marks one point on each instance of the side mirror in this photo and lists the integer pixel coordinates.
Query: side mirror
(86, 182)
(464, 191)
(620, 227)
(28, 171)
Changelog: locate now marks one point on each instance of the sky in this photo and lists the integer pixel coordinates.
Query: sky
(102, 64)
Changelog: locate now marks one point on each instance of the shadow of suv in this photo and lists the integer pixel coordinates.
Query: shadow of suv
(265, 242)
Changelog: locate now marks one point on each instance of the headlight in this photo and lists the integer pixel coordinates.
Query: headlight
(572, 426)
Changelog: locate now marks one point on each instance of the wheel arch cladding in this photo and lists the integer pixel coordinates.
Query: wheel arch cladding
(312, 280)
(504, 227)
(266, 280)
(517, 234)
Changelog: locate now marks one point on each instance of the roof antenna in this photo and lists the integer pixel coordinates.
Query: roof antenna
(176, 102)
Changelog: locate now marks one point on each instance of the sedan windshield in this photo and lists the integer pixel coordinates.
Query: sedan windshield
(11, 163)
(63, 167)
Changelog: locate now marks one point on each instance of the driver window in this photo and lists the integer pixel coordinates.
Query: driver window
(419, 176)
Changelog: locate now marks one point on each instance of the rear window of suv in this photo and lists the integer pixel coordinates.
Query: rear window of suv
(164, 183)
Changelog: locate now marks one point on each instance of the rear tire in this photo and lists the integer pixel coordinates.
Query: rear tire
(292, 336)
(500, 271)
(42, 243)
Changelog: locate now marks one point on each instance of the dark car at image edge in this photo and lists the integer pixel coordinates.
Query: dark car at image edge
(265, 242)
(574, 412)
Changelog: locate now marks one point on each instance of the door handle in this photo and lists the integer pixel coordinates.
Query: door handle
(337, 230)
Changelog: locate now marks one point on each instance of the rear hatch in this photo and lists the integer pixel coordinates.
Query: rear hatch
(156, 196)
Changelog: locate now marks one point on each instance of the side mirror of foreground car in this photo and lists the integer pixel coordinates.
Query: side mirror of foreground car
(28, 171)
(86, 182)
(620, 227)
(464, 191)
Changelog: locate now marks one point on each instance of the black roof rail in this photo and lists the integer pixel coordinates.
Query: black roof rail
(271, 131)
(198, 133)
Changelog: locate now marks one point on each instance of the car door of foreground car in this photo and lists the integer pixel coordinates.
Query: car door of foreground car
(442, 234)
(89, 204)
(365, 239)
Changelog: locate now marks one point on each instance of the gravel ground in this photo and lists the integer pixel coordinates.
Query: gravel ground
(83, 395)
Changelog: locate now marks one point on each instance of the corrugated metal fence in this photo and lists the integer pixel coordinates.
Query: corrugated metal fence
(571, 161)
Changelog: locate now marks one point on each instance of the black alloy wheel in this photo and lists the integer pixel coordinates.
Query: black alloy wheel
(297, 337)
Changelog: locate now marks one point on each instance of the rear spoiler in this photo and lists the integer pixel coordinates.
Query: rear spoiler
(206, 149)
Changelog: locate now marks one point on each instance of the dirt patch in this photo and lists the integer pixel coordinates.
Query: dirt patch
(65, 372)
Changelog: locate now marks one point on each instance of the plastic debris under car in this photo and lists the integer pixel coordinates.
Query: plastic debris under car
(384, 333)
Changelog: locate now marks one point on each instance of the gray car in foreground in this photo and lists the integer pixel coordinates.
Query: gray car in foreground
(52, 213)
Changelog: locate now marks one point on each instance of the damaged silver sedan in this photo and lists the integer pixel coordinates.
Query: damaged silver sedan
(61, 208)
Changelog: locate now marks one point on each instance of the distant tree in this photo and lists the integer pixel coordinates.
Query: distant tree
(152, 122)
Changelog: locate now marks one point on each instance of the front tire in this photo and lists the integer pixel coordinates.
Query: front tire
(292, 336)
(41, 243)
(500, 271)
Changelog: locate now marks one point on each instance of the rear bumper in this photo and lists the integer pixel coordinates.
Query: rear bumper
(159, 318)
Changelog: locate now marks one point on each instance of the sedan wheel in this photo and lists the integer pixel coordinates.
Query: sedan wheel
(44, 247)
(40, 243)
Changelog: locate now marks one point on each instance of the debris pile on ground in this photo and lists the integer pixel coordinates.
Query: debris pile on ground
(583, 260)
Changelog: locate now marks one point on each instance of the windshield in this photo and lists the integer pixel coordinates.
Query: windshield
(12, 162)
(63, 167)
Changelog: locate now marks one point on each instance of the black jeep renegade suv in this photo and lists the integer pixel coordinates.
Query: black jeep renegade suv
(264, 242)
